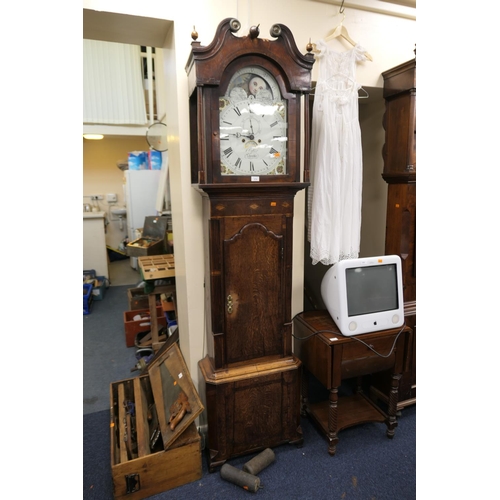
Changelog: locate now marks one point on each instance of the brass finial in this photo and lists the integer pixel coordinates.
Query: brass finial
(194, 34)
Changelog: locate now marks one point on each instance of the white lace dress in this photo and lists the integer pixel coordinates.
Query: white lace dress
(336, 168)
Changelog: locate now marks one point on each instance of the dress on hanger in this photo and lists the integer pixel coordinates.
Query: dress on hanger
(336, 169)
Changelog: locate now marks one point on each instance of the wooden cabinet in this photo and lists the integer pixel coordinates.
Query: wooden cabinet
(400, 94)
(400, 172)
(95, 255)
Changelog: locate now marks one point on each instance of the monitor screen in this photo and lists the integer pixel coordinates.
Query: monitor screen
(371, 289)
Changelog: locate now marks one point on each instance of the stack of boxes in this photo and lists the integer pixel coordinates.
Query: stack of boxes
(144, 160)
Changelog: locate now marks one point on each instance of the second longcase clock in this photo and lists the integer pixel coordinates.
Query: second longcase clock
(248, 96)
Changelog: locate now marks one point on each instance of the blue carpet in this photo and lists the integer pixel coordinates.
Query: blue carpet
(367, 466)
(106, 358)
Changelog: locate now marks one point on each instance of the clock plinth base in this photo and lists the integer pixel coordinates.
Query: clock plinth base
(251, 407)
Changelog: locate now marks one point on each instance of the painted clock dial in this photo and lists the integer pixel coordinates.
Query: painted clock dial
(253, 125)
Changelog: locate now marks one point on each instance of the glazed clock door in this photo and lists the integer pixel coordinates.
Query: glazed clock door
(254, 291)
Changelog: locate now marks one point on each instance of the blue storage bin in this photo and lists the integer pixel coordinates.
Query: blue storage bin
(170, 317)
(87, 298)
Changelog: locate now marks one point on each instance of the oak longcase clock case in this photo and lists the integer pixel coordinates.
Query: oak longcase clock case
(400, 173)
(248, 97)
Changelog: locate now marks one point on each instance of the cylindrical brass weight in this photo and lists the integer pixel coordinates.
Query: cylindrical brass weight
(260, 462)
(236, 476)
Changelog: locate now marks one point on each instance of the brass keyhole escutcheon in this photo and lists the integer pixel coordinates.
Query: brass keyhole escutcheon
(229, 304)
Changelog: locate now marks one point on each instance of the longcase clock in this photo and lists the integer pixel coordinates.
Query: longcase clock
(248, 100)
(400, 173)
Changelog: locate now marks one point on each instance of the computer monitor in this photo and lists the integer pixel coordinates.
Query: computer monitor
(365, 295)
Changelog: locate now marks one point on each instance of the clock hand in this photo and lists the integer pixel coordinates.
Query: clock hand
(239, 134)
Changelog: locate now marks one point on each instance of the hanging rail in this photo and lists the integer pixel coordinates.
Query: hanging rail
(397, 8)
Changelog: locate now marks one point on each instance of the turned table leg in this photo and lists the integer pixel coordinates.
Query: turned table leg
(304, 393)
(332, 421)
(393, 402)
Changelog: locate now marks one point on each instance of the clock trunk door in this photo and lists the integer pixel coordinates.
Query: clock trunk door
(253, 278)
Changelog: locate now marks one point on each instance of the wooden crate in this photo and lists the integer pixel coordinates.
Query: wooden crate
(133, 327)
(153, 240)
(145, 246)
(137, 299)
(140, 469)
(156, 267)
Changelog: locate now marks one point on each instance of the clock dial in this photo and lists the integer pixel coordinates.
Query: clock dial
(253, 125)
(253, 138)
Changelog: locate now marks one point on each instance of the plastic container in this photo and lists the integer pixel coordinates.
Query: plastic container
(88, 275)
(87, 298)
(99, 290)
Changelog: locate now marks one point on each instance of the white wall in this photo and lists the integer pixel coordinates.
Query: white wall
(389, 40)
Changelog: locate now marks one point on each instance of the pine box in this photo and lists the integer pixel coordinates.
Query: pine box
(147, 456)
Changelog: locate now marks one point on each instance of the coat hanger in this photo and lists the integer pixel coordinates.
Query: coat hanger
(339, 31)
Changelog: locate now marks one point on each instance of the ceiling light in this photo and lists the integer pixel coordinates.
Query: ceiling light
(93, 137)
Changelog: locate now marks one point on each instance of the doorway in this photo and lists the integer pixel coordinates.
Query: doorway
(135, 30)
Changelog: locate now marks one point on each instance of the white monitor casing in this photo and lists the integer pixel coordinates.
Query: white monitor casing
(335, 297)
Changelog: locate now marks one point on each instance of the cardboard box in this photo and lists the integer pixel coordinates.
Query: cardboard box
(138, 160)
(147, 455)
(154, 160)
